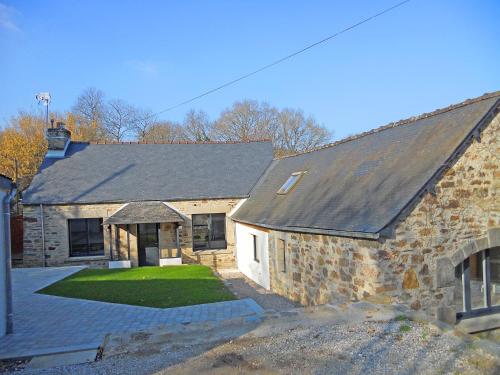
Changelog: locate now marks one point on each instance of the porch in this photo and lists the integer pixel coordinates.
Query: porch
(144, 234)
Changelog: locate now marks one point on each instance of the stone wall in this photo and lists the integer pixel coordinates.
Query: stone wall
(320, 269)
(57, 242)
(219, 258)
(414, 266)
(56, 234)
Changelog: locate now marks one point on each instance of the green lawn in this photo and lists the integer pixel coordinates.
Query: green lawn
(144, 286)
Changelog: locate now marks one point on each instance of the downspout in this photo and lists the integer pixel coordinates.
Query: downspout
(43, 235)
(8, 265)
(177, 240)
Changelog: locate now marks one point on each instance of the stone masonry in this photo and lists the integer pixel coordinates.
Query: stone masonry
(57, 242)
(415, 265)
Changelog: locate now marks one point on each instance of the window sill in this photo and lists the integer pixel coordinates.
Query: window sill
(79, 259)
(211, 251)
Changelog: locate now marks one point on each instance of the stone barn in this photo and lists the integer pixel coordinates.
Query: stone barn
(407, 213)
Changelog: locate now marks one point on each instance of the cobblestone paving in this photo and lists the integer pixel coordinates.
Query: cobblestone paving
(44, 324)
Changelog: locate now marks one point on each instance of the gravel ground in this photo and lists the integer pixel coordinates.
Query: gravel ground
(243, 287)
(370, 347)
(306, 342)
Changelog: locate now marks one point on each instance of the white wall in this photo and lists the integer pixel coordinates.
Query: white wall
(257, 271)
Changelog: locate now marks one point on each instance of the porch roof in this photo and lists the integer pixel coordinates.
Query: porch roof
(144, 212)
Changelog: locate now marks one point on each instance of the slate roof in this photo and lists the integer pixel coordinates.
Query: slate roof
(358, 186)
(144, 212)
(5, 183)
(95, 173)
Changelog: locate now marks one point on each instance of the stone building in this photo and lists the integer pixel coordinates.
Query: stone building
(408, 213)
(129, 204)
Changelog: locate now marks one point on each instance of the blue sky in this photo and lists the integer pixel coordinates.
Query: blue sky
(422, 56)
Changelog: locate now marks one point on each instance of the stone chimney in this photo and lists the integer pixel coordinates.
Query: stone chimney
(58, 139)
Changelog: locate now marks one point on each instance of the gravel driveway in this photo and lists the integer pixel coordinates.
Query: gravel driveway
(305, 341)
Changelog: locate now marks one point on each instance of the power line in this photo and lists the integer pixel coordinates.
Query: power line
(279, 61)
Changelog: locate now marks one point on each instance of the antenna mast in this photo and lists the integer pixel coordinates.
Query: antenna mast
(44, 98)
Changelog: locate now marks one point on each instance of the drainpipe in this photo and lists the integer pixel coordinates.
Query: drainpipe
(8, 266)
(43, 235)
(177, 240)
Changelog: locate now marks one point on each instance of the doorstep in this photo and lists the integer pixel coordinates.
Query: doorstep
(479, 323)
(28, 353)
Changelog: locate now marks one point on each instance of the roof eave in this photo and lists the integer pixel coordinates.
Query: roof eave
(122, 201)
(328, 232)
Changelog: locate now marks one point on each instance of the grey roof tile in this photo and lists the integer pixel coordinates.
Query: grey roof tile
(144, 212)
(94, 173)
(362, 184)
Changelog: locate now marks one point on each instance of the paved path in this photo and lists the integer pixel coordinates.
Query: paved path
(46, 324)
(243, 287)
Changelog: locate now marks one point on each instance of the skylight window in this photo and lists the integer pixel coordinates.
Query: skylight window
(290, 183)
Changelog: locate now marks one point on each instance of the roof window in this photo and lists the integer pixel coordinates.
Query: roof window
(290, 183)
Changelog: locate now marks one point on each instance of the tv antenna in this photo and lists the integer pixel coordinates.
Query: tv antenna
(44, 98)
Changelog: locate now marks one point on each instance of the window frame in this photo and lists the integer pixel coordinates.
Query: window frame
(468, 310)
(209, 229)
(287, 185)
(87, 255)
(256, 255)
(281, 256)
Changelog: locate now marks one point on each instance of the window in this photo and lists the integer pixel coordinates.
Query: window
(85, 237)
(281, 253)
(209, 231)
(477, 284)
(290, 183)
(256, 256)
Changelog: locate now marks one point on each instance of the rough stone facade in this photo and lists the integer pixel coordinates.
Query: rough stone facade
(415, 265)
(57, 242)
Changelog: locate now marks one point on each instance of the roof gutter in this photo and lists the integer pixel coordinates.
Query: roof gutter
(8, 266)
(328, 232)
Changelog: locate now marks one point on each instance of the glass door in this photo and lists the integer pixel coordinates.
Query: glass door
(148, 244)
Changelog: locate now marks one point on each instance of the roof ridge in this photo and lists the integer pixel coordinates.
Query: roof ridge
(394, 124)
(169, 142)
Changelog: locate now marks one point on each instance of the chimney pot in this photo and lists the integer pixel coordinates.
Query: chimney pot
(58, 139)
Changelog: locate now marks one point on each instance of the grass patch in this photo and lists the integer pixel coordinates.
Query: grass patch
(404, 328)
(400, 318)
(144, 286)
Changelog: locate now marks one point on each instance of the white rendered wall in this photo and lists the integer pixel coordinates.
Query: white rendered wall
(257, 271)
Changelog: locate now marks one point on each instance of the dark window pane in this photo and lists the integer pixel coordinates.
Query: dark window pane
(218, 231)
(495, 276)
(209, 231)
(459, 289)
(200, 219)
(256, 256)
(282, 255)
(96, 239)
(85, 237)
(476, 281)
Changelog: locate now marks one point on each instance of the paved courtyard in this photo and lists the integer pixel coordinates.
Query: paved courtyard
(45, 324)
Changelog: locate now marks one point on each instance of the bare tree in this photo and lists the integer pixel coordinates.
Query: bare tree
(143, 121)
(89, 110)
(197, 126)
(119, 118)
(298, 133)
(164, 131)
(247, 120)
(290, 130)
